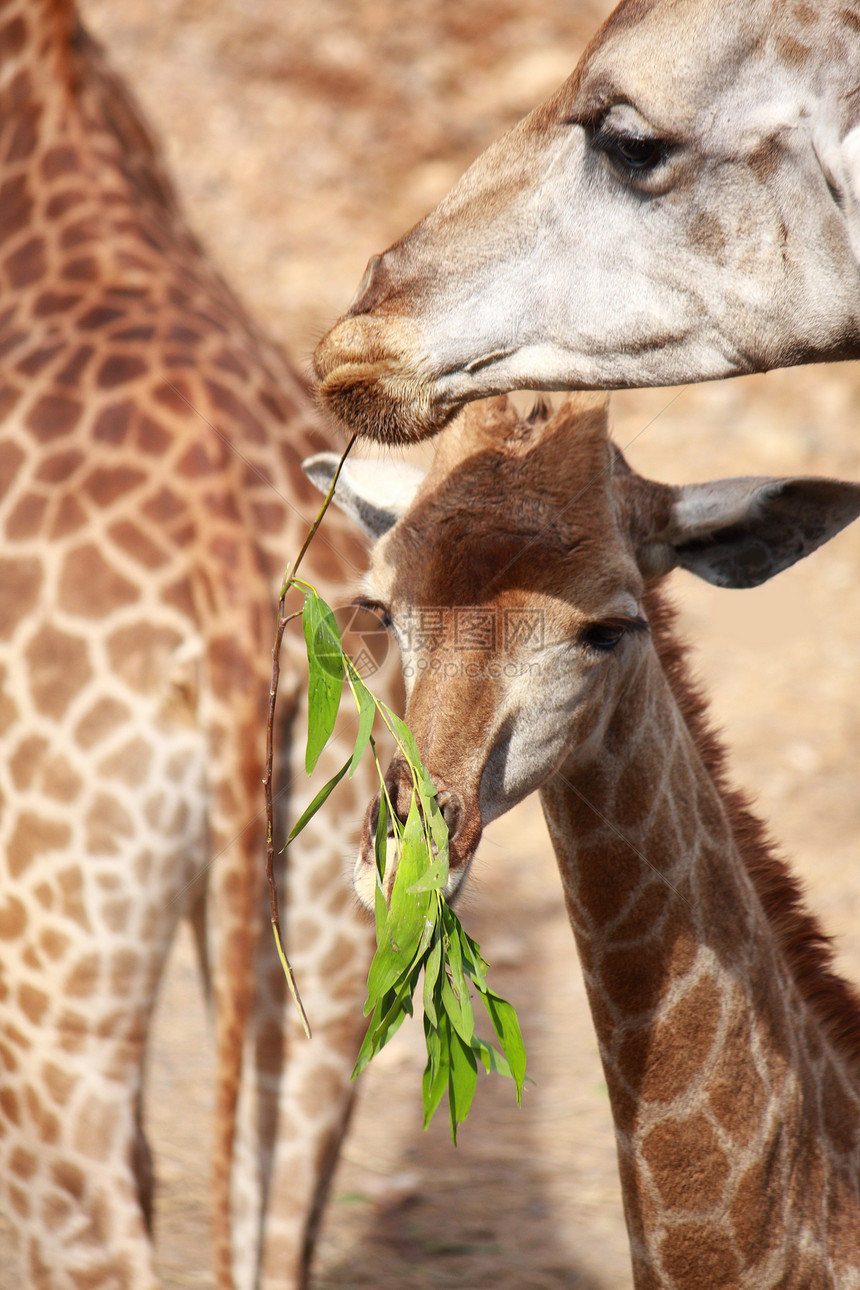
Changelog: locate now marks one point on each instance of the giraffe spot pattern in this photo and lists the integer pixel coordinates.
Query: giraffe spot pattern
(107, 823)
(33, 836)
(90, 586)
(16, 207)
(113, 422)
(103, 718)
(698, 1254)
(59, 467)
(13, 918)
(71, 893)
(22, 1163)
(84, 268)
(27, 264)
(33, 1003)
(83, 979)
(120, 369)
(59, 666)
(70, 516)
(24, 138)
(73, 369)
(735, 1087)
(756, 1224)
(20, 583)
(687, 1163)
(679, 1045)
(106, 485)
(55, 943)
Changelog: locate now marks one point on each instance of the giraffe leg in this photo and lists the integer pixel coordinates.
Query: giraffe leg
(88, 910)
(296, 1107)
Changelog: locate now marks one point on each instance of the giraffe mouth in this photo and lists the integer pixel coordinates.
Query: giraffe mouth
(464, 834)
(371, 378)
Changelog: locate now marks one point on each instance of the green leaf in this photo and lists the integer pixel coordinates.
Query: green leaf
(459, 1010)
(407, 742)
(366, 705)
(367, 1050)
(462, 1079)
(387, 970)
(388, 1016)
(435, 878)
(438, 1068)
(452, 926)
(417, 930)
(310, 811)
(325, 674)
(473, 963)
(491, 1057)
(408, 909)
(380, 841)
(435, 820)
(432, 968)
(507, 1029)
(406, 924)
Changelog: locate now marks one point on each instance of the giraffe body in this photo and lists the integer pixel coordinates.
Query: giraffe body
(150, 496)
(684, 208)
(731, 1050)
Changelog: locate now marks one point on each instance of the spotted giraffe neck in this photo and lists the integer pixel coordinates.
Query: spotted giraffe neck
(730, 1048)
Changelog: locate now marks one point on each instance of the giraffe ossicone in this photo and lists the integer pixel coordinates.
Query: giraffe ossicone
(730, 1046)
(685, 207)
(150, 494)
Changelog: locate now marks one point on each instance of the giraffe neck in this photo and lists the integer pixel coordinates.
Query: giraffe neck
(97, 255)
(736, 1108)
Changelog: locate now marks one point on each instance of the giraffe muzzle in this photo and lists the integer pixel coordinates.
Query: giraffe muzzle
(461, 813)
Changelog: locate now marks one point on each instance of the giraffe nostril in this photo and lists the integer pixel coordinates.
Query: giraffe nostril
(451, 806)
(372, 289)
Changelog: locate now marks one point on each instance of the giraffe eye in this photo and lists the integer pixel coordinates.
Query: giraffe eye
(605, 636)
(376, 608)
(630, 152)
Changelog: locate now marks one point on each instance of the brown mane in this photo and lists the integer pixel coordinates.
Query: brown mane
(807, 950)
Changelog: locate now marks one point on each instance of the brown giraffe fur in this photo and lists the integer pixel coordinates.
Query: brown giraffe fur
(731, 1050)
(150, 495)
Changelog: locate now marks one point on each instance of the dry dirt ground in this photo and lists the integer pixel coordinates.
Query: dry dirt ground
(305, 137)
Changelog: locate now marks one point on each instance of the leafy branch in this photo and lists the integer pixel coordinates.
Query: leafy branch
(416, 931)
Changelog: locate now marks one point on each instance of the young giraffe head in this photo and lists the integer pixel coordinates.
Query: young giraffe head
(526, 616)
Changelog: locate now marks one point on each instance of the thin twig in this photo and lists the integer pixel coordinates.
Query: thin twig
(283, 620)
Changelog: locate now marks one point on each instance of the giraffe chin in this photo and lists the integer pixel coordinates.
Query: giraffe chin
(364, 875)
(379, 403)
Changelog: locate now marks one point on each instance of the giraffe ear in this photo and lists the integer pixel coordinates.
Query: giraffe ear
(374, 492)
(741, 532)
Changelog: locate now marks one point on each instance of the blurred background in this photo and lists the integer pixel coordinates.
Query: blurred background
(303, 138)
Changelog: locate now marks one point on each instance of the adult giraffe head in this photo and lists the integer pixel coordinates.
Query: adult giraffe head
(684, 208)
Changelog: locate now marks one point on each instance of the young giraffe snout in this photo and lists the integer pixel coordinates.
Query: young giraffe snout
(461, 813)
